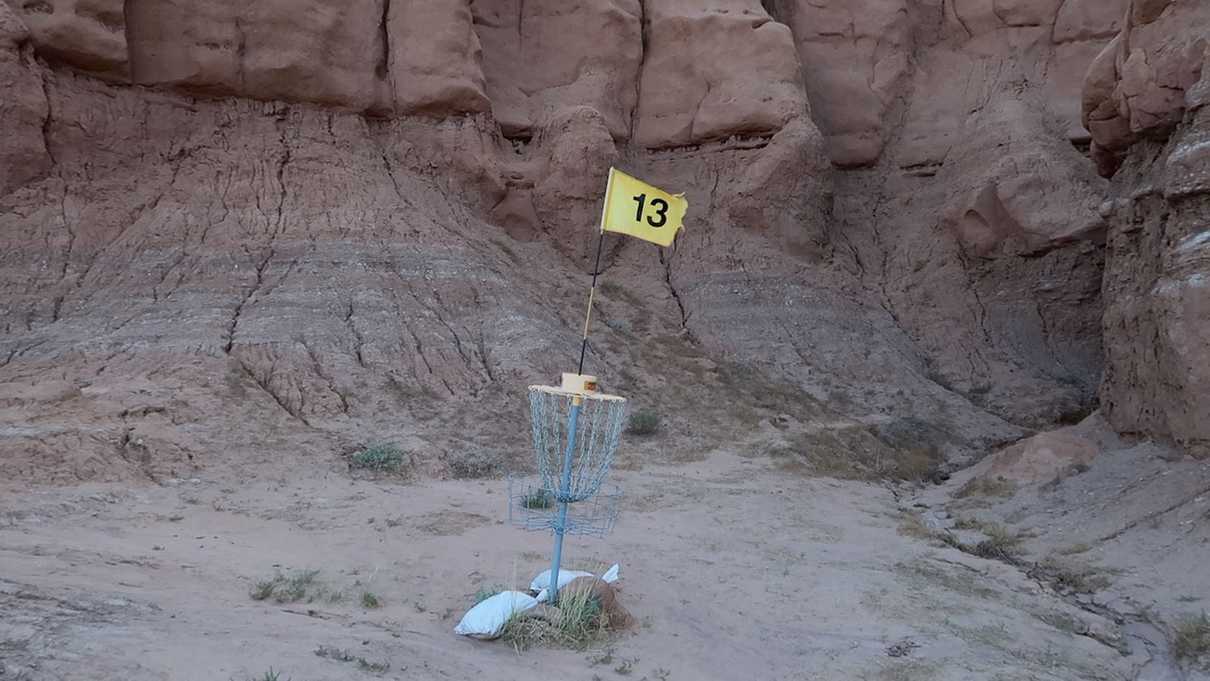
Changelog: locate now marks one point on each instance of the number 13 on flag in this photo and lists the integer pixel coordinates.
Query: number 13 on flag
(641, 210)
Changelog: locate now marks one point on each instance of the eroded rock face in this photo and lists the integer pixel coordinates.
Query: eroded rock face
(1040, 195)
(544, 55)
(23, 109)
(914, 260)
(854, 56)
(1153, 83)
(1157, 290)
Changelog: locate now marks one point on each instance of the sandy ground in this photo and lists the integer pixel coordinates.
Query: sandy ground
(733, 568)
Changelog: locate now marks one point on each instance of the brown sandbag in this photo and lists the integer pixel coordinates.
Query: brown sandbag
(604, 594)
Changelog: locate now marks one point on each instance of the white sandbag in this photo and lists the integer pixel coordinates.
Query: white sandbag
(541, 583)
(487, 618)
(611, 575)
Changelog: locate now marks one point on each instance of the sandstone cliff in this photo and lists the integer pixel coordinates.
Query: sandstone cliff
(232, 231)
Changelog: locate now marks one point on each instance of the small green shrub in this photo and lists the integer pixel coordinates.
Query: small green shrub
(380, 458)
(296, 586)
(643, 422)
(369, 600)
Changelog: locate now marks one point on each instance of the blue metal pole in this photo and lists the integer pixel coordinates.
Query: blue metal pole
(564, 492)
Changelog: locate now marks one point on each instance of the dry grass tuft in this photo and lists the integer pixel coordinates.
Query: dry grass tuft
(1001, 543)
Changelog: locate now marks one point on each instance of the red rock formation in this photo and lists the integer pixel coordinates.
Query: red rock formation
(1136, 87)
(400, 227)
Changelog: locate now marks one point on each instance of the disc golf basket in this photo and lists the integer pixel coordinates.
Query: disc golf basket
(576, 431)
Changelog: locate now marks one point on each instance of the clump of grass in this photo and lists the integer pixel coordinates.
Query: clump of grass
(379, 458)
(539, 499)
(987, 487)
(268, 676)
(1192, 637)
(577, 622)
(968, 524)
(369, 600)
(643, 422)
(296, 586)
(340, 655)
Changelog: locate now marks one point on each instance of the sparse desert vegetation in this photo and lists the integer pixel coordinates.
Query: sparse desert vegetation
(378, 458)
(643, 422)
(1191, 637)
(293, 587)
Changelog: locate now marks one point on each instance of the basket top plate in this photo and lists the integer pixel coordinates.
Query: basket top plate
(550, 389)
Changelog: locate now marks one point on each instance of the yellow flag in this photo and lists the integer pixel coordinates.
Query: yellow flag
(636, 208)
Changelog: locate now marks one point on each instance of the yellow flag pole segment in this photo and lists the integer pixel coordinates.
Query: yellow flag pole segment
(641, 210)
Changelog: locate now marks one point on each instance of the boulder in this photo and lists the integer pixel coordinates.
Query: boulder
(1136, 87)
(314, 51)
(714, 69)
(435, 58)
(89, 35)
